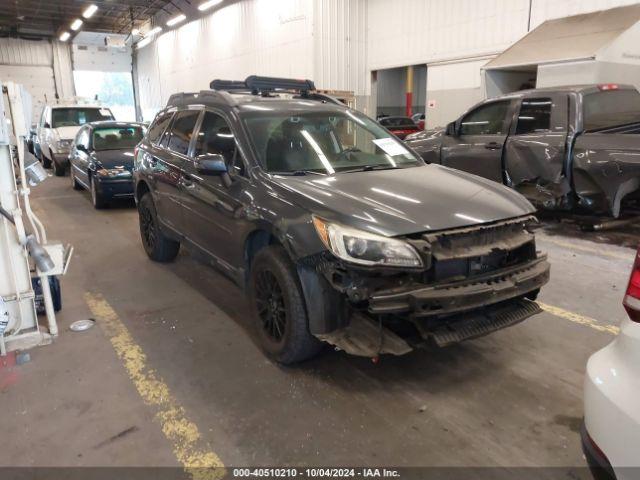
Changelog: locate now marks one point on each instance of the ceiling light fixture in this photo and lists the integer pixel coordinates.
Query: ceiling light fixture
(89, 11)
(153, 31)
(64, 36)
(209, 4)
(77, 23)
(144, 42)
(177, 19)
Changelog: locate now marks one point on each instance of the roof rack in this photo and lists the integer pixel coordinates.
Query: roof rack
(181, 99)
(265, 85)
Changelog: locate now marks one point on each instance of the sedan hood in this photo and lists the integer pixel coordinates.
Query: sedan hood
(115, 158)
(405, 201)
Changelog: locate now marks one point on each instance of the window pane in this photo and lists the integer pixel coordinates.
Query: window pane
(611, 108)
(182, 130)
(158, 127)
(486, 120)
(73, 117)
(326, 142)
(535, 116)
(215, 137)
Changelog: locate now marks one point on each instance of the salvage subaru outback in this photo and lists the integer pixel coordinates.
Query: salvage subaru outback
(338, 232)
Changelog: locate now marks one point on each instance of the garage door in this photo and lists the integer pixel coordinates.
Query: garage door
(38, 80)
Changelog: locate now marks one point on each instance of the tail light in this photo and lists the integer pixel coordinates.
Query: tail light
(632, 297)
(608, 86)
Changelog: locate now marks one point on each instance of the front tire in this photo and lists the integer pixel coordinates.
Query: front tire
(97, 199)
(74, 183)
(46, 163)
(158, 246)
(279, 307)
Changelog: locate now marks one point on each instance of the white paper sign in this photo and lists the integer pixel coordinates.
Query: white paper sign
(391, 146)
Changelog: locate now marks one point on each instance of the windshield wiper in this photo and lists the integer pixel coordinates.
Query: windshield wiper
(297, 173)
(368, 168)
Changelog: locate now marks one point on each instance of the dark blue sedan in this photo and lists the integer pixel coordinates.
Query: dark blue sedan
(101, 160)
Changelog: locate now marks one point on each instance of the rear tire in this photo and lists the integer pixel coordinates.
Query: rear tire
(158, 246)
(280, 309)
(58, 170)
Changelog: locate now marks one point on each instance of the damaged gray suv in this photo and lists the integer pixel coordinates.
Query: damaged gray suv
(338, 232)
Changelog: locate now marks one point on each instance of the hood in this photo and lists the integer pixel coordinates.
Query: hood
(408, 200)
(427, 134)
(67, 133)
(115, 158)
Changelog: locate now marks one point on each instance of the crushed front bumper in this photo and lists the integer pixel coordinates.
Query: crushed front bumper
(458, 297)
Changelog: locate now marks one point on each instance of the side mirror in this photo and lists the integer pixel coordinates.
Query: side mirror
(451, 129)
(214, 165)
(81, 148)
(46, 125)
(211, 165)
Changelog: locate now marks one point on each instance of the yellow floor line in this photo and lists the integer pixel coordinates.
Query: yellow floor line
(581, 319)
(584, 248)
(183, 433)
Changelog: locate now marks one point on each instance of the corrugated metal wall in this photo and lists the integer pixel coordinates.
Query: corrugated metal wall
(339, 42)
(251, 37)
(42, 66)
(15, 51)
(409, 32)
(340, 46)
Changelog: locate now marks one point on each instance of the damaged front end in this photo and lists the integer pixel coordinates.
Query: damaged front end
(473, 281)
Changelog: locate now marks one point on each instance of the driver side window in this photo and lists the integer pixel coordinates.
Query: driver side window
(489, 119)
(216, 137)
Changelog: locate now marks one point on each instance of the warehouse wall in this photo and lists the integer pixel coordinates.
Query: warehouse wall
(339, 43)
(270, 38)
(414, 32)
(42, 66)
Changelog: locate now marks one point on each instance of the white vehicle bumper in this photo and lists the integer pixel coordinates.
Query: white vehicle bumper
(611, 399)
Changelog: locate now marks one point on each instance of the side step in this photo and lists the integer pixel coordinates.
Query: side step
(478, 324)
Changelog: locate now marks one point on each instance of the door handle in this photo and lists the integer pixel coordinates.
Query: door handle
(493, 146)
(186, 182)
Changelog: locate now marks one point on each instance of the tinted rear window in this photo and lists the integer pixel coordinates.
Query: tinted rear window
(116, 138)
(611, 108)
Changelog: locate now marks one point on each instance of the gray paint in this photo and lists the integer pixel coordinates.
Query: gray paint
(561, 168)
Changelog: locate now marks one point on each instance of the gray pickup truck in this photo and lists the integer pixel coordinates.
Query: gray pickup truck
(567, 148)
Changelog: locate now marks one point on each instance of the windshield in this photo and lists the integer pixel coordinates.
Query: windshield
(74, 117)
(611, 108)
(325, 142)
(116, 138)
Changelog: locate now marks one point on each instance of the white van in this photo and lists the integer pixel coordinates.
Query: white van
(58, 126)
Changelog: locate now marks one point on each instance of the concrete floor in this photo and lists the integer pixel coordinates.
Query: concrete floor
(510, 399)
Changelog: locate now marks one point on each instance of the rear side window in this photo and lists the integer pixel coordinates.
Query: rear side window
(158, 126)
(489, 119)
(182, 131)
(534, 116)
(611, 108)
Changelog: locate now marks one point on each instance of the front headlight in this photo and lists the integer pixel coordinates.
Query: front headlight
(63, 144)
(364, 248)
(113, 173)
